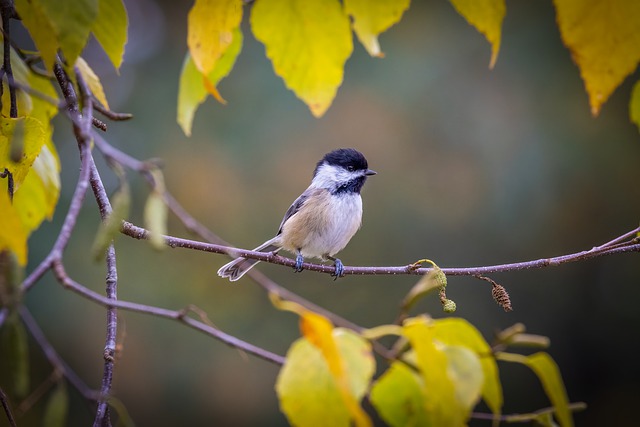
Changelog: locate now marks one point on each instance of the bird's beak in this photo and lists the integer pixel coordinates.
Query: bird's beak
(370, 172)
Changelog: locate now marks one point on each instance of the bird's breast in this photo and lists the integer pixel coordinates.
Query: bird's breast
(324, 225)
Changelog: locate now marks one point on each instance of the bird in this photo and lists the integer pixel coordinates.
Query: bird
(322, 220)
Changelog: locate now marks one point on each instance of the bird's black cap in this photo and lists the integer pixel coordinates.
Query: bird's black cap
(348, 158)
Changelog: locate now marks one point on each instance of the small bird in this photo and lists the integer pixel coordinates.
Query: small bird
(323, 219)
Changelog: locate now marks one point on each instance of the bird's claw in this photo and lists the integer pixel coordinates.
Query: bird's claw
(299, 261)
(339, 269)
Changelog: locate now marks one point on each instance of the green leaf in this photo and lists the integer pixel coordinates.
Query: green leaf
(110, 29)
(72, 22)
(155, 213)
(16, 355)
(309, 393)
(634, 104)
(35, 18)
(487, 17)
(308, 42)
(547, 371)
(192, 91)
(55, 414)
(399, 398)
(370, 18)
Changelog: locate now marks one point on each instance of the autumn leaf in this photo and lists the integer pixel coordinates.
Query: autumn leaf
(452, 375)
(549, 375)
(604, 39)
(370, 18)
(92, 80)
(211, 30)
(333, 373)
(487, 17)
(193, 88)
(308, 42)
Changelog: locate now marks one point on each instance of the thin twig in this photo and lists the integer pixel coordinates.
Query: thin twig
(112, 115)
(53, 357)
(7, 409)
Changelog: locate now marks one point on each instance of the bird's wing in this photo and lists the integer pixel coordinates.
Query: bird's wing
(295, 206)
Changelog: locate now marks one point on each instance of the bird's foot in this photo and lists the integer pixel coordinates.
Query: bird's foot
(299, 261)
(339, 269)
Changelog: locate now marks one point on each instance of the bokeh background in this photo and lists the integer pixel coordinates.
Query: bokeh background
(475, 167)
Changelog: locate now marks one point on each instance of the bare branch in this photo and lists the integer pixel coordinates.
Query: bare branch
(65, 280)
(632, 245)
(7, 409)
(53, 357)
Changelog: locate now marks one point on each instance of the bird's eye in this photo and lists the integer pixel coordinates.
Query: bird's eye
(350, 168)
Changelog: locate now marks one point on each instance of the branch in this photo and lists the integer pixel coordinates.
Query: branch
(181, 316)
(7, 409)
(7, 11)
(618, 245)
(53, 357)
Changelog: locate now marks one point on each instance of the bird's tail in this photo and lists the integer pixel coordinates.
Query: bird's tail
(239, 266)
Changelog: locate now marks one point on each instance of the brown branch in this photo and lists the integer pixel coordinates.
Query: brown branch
(7, 409)
(632, 245)
(178, 315)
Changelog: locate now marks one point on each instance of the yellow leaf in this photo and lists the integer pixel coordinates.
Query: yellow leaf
(211, 30)
(634, 104)
(465, 372)
(28, 134)
(13, 236)
(487, 17)
(308, 42)
(35, 19)
(37, 197)
(459, 332)
(92, 80)
(398, 397)
(604, 39)
(310, 394)
(110, 29)
(452, 374)
(192, 90)
(549, 375)
(350, 369)
(370, 18)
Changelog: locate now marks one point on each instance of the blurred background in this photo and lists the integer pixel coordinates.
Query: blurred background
(475, 167)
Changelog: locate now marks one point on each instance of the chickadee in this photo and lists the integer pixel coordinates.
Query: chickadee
(323, 219)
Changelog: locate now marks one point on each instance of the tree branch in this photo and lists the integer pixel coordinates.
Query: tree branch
(53, 357)
(616, 246)
(62, 277)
